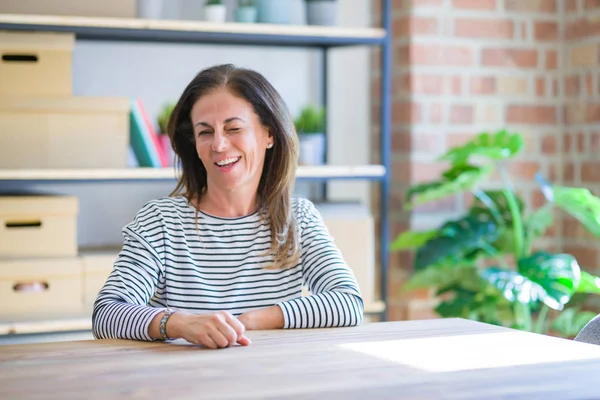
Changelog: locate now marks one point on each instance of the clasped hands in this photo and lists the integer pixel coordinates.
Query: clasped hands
(222, 329)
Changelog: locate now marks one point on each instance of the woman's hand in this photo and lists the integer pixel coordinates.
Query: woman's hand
(213, 330)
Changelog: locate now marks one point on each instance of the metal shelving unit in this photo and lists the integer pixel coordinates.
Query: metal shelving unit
(317, 173)
(316, 37)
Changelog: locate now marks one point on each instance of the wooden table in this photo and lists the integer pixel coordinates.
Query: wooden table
(431, 359)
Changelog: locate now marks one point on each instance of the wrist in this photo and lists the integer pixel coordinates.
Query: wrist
(174, 325)
(245, 319)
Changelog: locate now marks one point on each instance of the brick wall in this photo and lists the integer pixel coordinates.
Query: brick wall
(581, 142)
(465, 66)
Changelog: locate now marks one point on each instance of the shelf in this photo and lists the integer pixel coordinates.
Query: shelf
(326, 172)
(55, 325)
(89, 28)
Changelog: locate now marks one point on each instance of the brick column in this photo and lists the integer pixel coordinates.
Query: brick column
(462, 67)
(581, 142)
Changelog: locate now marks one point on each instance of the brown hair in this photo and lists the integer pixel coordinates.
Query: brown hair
(279, 172)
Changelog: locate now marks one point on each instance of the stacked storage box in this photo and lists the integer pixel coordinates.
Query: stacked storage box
(352, 228)
(96, 266)
(40, 271)
(42, 125)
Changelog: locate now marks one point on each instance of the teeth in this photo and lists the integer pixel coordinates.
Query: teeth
(227, 161)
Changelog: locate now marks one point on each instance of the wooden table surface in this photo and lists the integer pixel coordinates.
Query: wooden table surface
(430, 359)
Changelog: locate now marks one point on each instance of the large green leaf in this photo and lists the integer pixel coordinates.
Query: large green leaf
(483, 304)
(538, 222)
(557, 274)
(498, 205)
(412, 239)
(514, 286)
(505, 244)
(461, 304)
(581, 204)
(458, 242)
(457, 179)
(588, 284)
(498, 146)
(571, 321)
(578, 202)
(444, 275)
(549, 278)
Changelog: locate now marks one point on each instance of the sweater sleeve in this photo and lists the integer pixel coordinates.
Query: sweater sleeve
(335, 299)
(121, 310)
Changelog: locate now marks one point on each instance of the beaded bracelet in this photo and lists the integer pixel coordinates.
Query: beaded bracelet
(163, 323)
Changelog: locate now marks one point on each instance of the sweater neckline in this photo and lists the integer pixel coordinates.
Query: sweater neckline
(209, 217)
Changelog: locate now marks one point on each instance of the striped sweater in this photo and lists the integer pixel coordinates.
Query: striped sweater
(168, 260)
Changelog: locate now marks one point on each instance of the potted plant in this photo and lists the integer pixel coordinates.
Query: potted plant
(321, 12)
(215, 11)
(484, 265)
(150, 9)
(274, 11)
(310, 126)
(246, 11)
(163, 137)
(163, 117)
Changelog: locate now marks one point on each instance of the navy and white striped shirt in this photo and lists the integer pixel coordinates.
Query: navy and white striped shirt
(168, 260)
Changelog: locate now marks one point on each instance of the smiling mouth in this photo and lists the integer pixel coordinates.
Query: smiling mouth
(228, 162)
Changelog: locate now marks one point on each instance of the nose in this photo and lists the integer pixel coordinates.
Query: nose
(220, 142)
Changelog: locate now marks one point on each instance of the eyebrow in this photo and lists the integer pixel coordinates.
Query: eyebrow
(226, 121)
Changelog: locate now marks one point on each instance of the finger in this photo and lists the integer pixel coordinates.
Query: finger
(228, 332)
(244, 341)
(235, 323)
(207, 341)
(218, 337)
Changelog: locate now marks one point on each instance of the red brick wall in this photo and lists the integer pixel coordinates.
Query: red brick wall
(466, 66)
(581, 141)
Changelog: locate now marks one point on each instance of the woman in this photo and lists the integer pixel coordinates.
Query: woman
(230, 249)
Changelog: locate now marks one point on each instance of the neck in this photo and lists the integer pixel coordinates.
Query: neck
(228, 204)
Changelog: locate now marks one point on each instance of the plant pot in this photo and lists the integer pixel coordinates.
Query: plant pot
(246, 14)
(165, 143)
(150, 9)
(312, 149)
(274, 11)
(321, 12)
(215, 13)
(298, 12)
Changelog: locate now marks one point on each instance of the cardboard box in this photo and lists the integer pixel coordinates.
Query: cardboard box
(352, 228)
(36, 63)
(96, 267)
(40, 289)
(38, 226)
(74, 132)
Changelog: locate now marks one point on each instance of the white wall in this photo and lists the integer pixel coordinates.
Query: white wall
(350, 104)
(156, 73)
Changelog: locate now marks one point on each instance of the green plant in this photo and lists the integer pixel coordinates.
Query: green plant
(214, 2)
(246, 3)
(311, 120)
(484, 265)
(163, 117)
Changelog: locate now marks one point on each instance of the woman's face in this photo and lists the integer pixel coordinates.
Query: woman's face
(230, 140)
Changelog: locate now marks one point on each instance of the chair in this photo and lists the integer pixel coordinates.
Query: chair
(591, 332)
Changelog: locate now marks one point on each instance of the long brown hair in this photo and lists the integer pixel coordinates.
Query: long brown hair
(279, 172)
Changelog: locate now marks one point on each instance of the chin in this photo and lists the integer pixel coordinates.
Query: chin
(229, 185)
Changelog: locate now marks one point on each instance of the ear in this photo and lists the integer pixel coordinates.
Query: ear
(270, 139)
